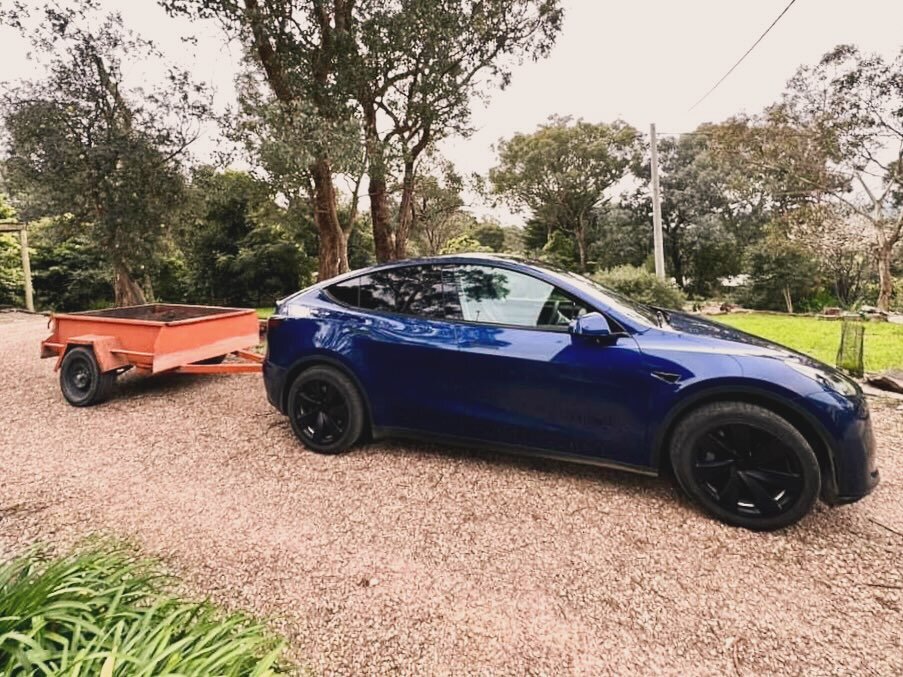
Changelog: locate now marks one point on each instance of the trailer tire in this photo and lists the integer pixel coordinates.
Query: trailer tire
(81, 380)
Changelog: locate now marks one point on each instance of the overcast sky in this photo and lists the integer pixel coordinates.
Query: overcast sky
(641, 61)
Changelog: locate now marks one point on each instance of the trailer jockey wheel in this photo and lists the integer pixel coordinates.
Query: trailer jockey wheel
(81, 380)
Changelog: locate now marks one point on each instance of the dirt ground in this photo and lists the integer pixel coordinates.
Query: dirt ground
(416, 559)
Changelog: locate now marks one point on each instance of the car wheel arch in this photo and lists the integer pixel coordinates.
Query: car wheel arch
(795, 415)
(306, 363)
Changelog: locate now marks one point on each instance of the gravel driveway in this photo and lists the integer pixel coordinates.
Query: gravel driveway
(430, 560)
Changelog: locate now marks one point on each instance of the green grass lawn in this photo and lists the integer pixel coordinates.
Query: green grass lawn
(264, 313)
(821, 338)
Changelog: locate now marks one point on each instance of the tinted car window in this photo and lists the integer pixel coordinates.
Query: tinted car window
(427, 291)
(381, 291)
(438, 297)
(500, 296)
(347, 292)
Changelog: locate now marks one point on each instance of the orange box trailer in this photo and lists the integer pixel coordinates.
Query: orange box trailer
(93, 347)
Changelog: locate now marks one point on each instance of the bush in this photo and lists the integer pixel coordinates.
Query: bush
(779, 270)
(641, 285)
(103, 612)
(12, 280)
(70, 275)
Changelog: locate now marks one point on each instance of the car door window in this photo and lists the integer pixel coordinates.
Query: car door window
(500, 296)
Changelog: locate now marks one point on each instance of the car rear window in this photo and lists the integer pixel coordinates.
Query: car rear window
(426, 291)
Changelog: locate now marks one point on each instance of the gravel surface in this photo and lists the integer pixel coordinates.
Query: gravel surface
(419, 559)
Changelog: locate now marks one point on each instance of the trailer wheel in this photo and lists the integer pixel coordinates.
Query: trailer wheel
(81, 380)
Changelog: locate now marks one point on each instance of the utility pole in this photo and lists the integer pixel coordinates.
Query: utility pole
(657, 210)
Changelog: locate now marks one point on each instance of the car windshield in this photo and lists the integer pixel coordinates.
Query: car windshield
(640, 313)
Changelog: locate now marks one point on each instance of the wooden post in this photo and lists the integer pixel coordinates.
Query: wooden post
(657, 238)
(26, 268)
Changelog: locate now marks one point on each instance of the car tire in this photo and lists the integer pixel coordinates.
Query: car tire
(326, 410)
(81, 381)
(745, 465)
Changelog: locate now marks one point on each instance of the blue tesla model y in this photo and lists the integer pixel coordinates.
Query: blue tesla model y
(499, 352)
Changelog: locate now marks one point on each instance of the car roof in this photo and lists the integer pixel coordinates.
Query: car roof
(465, 257)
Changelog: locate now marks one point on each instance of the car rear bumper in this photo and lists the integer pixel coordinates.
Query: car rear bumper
(274, 382)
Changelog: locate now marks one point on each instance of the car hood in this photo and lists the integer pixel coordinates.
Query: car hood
(725, 339)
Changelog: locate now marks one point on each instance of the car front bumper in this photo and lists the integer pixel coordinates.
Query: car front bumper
(851, 444)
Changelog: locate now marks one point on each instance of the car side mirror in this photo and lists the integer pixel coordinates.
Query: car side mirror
(591, 325)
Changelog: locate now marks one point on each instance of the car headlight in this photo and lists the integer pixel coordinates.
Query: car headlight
(829, 379)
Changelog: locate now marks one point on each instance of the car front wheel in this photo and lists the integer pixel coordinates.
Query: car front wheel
(326, 410)
(746, 465)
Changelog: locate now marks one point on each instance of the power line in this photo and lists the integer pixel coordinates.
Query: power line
(740, 60)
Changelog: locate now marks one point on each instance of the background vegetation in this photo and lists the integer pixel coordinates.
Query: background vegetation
(338, 117)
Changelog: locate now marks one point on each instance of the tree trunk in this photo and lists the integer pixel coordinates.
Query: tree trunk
(125, 289)
(788, 300)
(580, 236)
(333, 259)
(405, 211)
(379, 214)
(885, 278)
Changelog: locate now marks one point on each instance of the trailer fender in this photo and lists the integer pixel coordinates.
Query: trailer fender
(107, 351)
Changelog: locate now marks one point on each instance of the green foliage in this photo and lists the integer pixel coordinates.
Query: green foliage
(780, 271)
(84, 144)
(6, 209)
(104, 612)
(239, 245)
(69, 273)
(641, 285)
(11, 276)
(489, 235)
(462, 245)
(819, 338)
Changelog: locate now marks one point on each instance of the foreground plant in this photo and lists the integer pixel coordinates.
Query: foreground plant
(104, 612)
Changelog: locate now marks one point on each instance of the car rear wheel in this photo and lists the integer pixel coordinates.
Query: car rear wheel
(746, 465)
(81, 380)
(326, 410)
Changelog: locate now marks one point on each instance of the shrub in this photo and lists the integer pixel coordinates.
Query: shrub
(71, 274)
(103, 612)
(641, 285)
(12, 280)
(781, 274)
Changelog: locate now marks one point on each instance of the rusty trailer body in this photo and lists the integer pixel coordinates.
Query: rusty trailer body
(94, 347)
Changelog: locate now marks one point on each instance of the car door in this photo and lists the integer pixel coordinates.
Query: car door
(523, 379)
(404, 349)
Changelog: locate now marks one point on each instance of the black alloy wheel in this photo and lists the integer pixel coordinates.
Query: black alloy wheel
(747, 470)
(326, 410)
(81, 380)
(746, 465)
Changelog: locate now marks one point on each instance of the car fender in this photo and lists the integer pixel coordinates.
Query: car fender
(770, 395)
(327, 359)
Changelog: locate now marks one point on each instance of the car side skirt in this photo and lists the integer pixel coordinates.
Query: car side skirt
(513, 449)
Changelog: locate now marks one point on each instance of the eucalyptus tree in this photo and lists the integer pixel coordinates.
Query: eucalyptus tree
(91, 149)
(836, 137)
(564, 171)
(302, 50)
(405, 71)
(419, 65)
